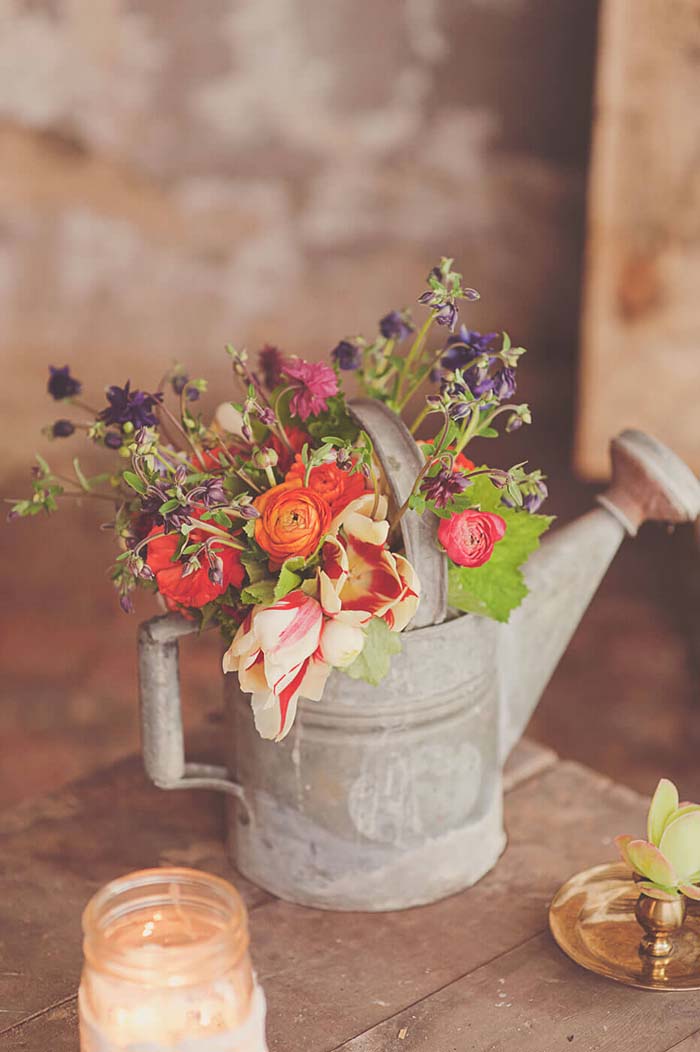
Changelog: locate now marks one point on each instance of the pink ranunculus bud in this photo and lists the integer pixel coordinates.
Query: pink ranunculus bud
(469, 537)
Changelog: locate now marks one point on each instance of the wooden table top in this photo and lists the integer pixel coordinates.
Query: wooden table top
(477, 971)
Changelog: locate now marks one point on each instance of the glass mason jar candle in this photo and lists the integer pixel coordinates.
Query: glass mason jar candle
(167, 967)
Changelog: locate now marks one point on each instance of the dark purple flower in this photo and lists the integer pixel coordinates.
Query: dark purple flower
(125, 603)
(459, 410)
(503, 383)
(247, 511)
(441, 488)
(216, 569)
(62, 429)
(396, 325)
(271, 361)
(343, 459)
(127, 406)
(446, 315)
(61, 384)
(214, 492)
(347, 355)
(192, 394)
(478, 381)
(534, 500)
(266, 416)
(465, 347)
(113, 440)
(179, 382)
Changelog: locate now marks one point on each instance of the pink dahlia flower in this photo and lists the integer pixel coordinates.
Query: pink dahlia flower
(313, 384)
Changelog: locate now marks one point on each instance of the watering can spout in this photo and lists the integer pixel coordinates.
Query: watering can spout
(649, 483)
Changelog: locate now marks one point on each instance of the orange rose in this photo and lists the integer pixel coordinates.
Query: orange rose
(292, 521)
(336, 487)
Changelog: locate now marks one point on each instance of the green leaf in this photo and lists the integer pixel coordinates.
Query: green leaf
(286, 583)
(168, 505)
(497, 587)
(663, 804)
(42, 464)
(260, 592)
(373, 663)
(254, 567)
(132, 479)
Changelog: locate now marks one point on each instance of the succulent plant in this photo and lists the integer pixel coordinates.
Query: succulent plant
(669, 860)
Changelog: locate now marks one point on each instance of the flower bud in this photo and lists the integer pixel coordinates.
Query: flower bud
(265, 458)
(267, 416)
(62, 429)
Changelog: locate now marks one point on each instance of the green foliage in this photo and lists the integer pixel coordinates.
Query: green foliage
(373, 663)
(288, 579)
(260, 592)
(498, 586)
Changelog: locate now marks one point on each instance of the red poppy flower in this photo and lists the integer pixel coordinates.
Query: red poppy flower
(196, 589)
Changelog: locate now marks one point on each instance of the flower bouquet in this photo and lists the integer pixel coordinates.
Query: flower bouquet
(273, 520)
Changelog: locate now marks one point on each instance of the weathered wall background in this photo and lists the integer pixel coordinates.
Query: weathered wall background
(177, 175)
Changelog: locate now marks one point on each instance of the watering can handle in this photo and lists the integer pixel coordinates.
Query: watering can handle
(401, 459)
(649, 483)
(162, 738)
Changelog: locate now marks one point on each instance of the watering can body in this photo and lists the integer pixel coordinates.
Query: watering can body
(388, 797)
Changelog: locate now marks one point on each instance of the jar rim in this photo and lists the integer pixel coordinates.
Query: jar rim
(174, 965)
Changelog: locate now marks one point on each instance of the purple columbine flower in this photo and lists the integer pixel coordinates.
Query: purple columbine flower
(459, 410)
(266, 416)
(446, 315)
(396, 325)
(441, 488)
(465, 347)
(214, 492)
(113, 440)
(503, 383)
(179, 383)
(127, 406)
(271, 361)
(347, 355)
(61, 384)
(216, 568)
(125, 603)
(478, 381)
(343, 459)
(62, 429)
(534, 500)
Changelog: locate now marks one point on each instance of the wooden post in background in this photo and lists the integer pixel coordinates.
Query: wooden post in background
(641, 320)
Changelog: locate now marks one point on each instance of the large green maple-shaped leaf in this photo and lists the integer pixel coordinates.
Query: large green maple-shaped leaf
(498, 586)
(374, 662)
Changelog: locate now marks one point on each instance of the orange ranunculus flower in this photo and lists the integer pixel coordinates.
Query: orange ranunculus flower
(292, 521)
(337, 487)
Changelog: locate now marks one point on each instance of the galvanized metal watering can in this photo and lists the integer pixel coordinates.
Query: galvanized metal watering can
(387, 797)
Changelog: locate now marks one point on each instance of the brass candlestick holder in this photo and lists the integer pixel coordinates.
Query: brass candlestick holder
(600, 920)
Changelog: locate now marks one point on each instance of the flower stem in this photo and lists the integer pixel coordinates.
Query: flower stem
(416, 348)
(422, 473)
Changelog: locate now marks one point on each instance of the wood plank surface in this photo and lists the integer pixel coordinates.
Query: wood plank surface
(55, 852)
(534, 999)
(641, 318)
(329, 977)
